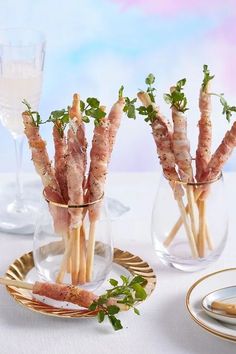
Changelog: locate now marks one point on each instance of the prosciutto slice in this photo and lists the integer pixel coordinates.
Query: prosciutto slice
(114, 119)
(99, 156)
(203, 153)
(181, 145)
(72, 294)
(76, 162)
(40, 159)
(68, 293)
(221, 155)
(60, 161)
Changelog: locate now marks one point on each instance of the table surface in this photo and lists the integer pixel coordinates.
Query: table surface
(164, 325)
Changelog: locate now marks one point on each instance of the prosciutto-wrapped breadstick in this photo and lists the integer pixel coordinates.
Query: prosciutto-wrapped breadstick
(61, 292)
(76, 165)
(162, 134)
(102, 146)
(121, 297)
(181, 147)
(99, 155)
(46, 172)
(76, 161)
(72, 294)
(203, 153)
(41, 160)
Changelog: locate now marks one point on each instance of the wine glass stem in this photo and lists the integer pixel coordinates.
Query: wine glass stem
(18, 142)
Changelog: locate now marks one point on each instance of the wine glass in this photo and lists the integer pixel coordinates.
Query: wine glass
(22, 53)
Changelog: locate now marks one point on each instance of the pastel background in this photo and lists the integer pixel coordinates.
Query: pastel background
(95, 46)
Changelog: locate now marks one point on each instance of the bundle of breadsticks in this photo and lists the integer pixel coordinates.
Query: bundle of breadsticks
(65, 181)
(173, 149)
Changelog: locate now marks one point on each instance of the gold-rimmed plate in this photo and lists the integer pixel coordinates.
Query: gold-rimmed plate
(22, 266)
(207, 284)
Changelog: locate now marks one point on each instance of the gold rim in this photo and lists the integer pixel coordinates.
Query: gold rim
(196, 184)
(71, 206)
(21, 267)
(200, 323)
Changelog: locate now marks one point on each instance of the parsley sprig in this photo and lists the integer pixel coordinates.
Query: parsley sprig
(121, 92)
(150, 79)
(149, 112)
(91, 109)
(207, 77)
(129, 107)
(60, 118)
(227, 109)
(129, 292)
(35, 116)
(176, 98)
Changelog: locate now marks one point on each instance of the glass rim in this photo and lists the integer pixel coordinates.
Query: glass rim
(40, 40)
(72, 206)
(203, 183)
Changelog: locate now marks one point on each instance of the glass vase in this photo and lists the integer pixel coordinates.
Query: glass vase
(189, 223)
(80, 254)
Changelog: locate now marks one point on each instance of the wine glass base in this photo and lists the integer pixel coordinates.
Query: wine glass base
(17, 220)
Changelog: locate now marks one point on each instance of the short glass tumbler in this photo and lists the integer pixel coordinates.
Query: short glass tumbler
(73, 244)
(189, 223)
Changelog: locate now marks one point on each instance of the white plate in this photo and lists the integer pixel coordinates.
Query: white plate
(225, 295)
(207, 284)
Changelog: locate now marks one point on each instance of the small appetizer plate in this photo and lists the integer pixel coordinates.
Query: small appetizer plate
(206, 285)
(22, 268)
(225, 296)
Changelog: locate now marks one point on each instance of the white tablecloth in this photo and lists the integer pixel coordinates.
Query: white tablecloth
(164, 325)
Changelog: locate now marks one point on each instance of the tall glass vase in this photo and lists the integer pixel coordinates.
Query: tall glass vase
(189, 223)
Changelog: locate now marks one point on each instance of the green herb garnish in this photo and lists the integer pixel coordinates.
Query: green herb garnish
(149, 111)
(60, 118)
(91, 109)
(129, 107)
(176, 98)
(150, 79)
(227, 109)
(120, 92)
(207, 77)
(35, 116)
(129, 293)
